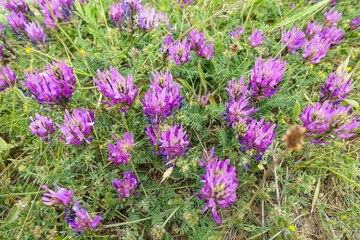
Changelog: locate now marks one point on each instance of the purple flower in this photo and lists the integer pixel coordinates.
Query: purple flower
(336, 87)
(315, 49)
(203, 100)
(8, 79)
(237, 32)
(179, 52)
(36, 33)
(256, 38)
(17, 6)
(354, 24)
(313, 29)
(188, 2)
(332, 34)
(61, 13)
(61, 196)
(207, 52)
(81, 219)
(153, 134)
(198, 44)
(128, 186)
(174, 142)
(54, 85)
(237, 89)
(239, 111)
(329, 120)
(197, 40)
(42, 126)
(209, 160)
(160, 102)
(77, 126)
(149, 19)
(121, 153)
(332, 18)
(117, 14)
(167, 43)
(256, 138)
(220, 186)
(17, 22)
(161, 80)
(264, 77)
(297, 40)
(121, 90)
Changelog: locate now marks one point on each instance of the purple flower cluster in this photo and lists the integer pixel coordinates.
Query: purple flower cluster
(129, 14)
(55, 85)
(157, 232)
(203, 99)
(188, 2)
(294, 39)
(313, 28)
(149, 19)
(329, 120)
(354, 24)
(220, 186)
(7, 78)
(77, 126)
(81, 219)
(121, 90)
(35, 33)
(17, 22)
(332, 18)
(174, 142)
(316, 49)
(179, 52)
(237, 32)
(256, 139)
(121, 153)
(16, 6)
(198, 44)
(256, 39)
(238, 112)
(336, 87)
(42, 126)
(237, 88)
(62, 10)
(161, 101)
(320, 40)
(61, 196)
(128, 186)
(265, 76)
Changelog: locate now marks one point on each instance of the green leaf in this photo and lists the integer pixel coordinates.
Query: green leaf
(4, 146)
(345, 178)
(20, 94)
(353, 103)
(16, 210)
(187, 85)
(297, 108)
(283, 21)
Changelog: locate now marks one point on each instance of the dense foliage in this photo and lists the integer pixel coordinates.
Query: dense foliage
(179, 119)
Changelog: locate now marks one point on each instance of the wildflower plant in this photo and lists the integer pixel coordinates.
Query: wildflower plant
(220, 186)
(121, 90)
(193, 111)
(54, 85)
(128, 186)
(81, 220)
(77, 126)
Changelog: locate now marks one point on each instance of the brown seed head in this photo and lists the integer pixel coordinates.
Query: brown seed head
(294, 137)
(234, 48)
